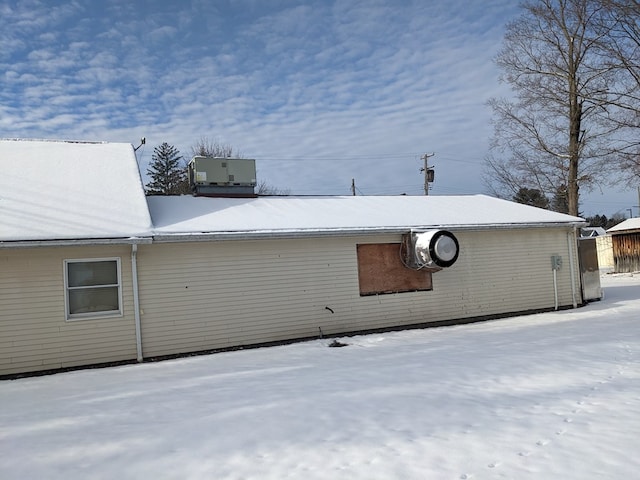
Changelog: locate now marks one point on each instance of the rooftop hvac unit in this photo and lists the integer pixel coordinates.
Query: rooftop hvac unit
(433, 250)
(222, 176)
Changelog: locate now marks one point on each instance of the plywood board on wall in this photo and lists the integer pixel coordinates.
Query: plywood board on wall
(381, 271)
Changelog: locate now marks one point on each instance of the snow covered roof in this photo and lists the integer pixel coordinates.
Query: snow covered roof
(628, 224)
(592, 232)
(80, 191)
(187, 216)
(70, 190)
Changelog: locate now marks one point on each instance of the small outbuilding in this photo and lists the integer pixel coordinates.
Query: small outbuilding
(625, 242)
(93, 272)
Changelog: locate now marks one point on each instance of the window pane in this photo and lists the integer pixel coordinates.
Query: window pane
(83, 274)
(88, 300)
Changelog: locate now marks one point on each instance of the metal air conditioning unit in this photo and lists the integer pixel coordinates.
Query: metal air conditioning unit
(216, 176)
(432, 250)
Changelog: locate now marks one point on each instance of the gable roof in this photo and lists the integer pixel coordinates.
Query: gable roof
(592, 232)
(627, 225)
(186, 216)
(52, 190)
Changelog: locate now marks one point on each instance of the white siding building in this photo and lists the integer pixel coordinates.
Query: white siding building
(92, 273)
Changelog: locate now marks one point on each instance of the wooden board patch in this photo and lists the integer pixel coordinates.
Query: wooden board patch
(381, 271)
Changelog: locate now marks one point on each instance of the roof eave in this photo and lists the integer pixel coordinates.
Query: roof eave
(160, 237)
(622, 232)
(74, 242)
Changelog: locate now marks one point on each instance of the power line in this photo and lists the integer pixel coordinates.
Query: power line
(355, 157)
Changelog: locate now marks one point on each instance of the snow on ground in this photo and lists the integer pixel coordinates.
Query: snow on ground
(554, 395)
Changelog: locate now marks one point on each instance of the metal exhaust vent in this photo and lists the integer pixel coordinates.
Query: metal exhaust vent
(433, 249)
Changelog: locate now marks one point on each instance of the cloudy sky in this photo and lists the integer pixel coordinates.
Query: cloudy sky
(319, 92)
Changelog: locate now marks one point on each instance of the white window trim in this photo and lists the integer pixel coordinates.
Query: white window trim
(92, 315)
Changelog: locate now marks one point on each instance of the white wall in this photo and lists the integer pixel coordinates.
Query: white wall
(34, 332)
(205, 295)
(197, 296)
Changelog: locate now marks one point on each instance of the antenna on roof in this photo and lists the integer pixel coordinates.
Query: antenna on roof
(143, 140)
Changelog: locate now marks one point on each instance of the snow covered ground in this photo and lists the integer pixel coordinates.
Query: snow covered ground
(549, 396)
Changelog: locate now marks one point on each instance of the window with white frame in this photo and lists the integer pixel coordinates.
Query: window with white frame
(93, 287)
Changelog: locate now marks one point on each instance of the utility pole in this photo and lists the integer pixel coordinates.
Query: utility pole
(428, 172)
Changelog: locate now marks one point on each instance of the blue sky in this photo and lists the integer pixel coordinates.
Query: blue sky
(318, 92)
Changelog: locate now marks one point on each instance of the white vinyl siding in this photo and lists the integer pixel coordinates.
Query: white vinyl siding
(604, 247)
(198, 296)
(93, 288)
(207, 295)
(34, 333)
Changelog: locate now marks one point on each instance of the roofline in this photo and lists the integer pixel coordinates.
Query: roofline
(73, 242)
(346, 232)
(622, 232)
(274, 234)
(53, 140)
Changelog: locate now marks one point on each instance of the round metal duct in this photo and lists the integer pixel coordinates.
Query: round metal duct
(436, 248)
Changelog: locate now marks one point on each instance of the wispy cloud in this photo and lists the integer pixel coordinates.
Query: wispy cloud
(318, 92)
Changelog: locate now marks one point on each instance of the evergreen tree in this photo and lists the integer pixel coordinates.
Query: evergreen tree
(598, 221)
(167, 172)
(560, 202)
(604, 222)
(614, 220)
(531, 196)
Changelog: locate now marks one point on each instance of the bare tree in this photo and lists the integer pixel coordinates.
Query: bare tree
(213, 148)
(552, 134)
(622, 52)
(263, 188)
